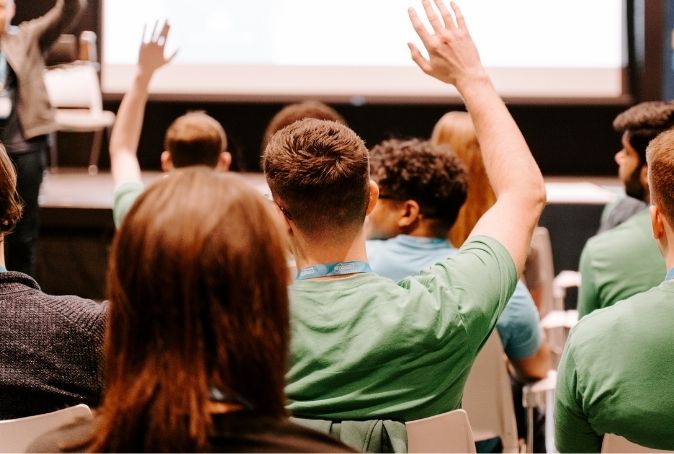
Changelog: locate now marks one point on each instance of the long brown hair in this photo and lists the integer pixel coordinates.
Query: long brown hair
(198, 300)
(456, 130)
(10, 204)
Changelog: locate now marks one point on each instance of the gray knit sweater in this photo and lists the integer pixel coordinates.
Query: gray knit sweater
(49, 348)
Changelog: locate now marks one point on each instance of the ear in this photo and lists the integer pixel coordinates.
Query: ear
(166, 161)
(657, 222)
(410, 214)
(643, 177)
(284, 218)
(224, 161)
(373, 197)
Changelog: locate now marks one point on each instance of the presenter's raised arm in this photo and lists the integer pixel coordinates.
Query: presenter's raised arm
(512, 170)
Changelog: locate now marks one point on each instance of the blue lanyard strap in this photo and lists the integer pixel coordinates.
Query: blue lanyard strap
(3, 269)
(670, 275)
(333, 269)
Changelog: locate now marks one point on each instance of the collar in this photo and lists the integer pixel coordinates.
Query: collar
(670, 275)
(423, 241)
(3, 269)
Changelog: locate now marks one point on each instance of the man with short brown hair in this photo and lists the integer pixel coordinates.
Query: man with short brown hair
(362, 346)
(615, 373)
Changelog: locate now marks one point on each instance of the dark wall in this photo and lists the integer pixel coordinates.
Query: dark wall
(565, 139)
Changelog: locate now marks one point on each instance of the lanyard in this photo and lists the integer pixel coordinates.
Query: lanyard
(3, 269)
(670, 275)
(333, 269)
(4, 70)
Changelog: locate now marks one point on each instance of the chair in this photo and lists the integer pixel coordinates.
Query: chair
(447, 432)
(17, 434)
(488, 399)
(75, 91)
(541, 394)
(615, 443)
(539, 271)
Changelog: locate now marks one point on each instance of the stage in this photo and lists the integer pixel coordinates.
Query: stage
(77, 226)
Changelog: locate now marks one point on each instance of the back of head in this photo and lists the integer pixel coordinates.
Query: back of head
(299, 111)
(660, 156)
(198, 301)
(195, 139)
(318, 172)
(643, 122)
(417, 170)
(456, 130)
(10, 204)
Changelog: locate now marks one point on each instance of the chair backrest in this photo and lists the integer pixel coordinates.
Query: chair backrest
(74, 85)
(615, 443)
(539, 271)
(488, 399)
(17, 434)
(448, 432)
(64, 50)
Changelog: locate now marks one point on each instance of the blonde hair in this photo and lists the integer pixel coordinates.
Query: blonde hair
(456, 130)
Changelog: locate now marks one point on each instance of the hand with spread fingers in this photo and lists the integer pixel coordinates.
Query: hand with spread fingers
(151, 56)
(452, 55)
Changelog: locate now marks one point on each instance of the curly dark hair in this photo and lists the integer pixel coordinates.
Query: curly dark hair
(415, 169)
(644, 122)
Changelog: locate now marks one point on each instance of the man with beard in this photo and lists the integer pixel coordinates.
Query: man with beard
(623, 261)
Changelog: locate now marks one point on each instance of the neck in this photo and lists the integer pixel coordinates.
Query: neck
(2, 252)
(427, 230)
(314, 252)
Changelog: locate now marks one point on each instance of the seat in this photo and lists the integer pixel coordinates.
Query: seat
(615, 443)
(17, 434)
(447, 432)
(488, 399)
(75, 91)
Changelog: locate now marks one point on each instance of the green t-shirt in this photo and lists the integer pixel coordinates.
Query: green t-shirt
(123, 197)
(616, 373)
(364, 347)
(619, 263)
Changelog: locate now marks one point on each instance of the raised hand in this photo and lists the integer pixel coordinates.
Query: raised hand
(151, 55)
(452, 55)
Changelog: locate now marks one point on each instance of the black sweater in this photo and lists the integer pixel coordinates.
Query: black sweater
(50, 349)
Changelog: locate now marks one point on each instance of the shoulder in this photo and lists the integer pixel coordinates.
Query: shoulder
(627, 238)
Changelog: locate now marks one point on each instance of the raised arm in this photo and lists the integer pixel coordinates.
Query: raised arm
(513, 173)
(56, 21)
(126, 132)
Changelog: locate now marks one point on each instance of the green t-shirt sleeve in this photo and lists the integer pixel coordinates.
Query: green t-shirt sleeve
(573, 432)
(588, 297)
(123, 198)
(482, 277)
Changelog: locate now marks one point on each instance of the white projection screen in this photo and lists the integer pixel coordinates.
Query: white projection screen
(355, 50)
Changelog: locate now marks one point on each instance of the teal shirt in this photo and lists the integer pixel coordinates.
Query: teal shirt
(615, 375)
(123, 198)
(406, 255)
(619, 263)
(365, 347)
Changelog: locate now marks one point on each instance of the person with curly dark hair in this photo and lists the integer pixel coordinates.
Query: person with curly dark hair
(623, 260)
(422, 189)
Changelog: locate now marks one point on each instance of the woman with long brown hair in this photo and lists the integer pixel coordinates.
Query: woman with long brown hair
(456, 130)
(196, 344)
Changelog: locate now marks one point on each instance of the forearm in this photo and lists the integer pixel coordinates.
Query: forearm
(58, 20)
(534, 367)
(126, 132)
(509, 164)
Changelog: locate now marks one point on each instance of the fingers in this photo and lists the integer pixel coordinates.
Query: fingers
(153, 36)
(161, 40)
(419, 59)
(432, 17)
(419, 27)
(446, 15)
(460, 21)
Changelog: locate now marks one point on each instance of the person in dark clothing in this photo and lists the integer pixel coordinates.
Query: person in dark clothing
(26, 117)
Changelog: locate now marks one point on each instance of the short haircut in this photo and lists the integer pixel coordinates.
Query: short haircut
(299, 111)
(413, 169)
(318, 173)
(660, 156)
(643, 122)
(195, 139)
(10, 204)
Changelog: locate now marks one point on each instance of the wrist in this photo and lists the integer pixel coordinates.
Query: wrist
(143, 78)
(474, 80)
